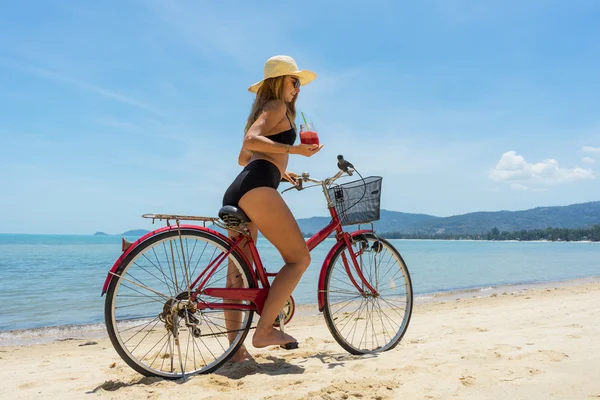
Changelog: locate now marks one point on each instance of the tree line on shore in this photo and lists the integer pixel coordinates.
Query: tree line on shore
(551, 234)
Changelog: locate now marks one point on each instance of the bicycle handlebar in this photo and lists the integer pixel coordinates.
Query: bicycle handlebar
(344, 166)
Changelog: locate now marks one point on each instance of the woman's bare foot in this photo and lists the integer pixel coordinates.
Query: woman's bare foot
(271, 337)
(241, 355)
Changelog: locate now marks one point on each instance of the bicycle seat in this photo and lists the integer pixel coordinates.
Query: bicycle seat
(233, 215)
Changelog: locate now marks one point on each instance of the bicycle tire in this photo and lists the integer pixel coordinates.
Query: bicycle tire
(125, 279)
(350, 296)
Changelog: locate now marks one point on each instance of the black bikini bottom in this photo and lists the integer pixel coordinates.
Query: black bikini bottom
(256, 174)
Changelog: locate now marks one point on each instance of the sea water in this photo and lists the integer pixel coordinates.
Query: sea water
(53, 281)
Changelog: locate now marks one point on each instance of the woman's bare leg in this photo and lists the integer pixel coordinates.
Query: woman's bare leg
(267, 210)
(233, 319)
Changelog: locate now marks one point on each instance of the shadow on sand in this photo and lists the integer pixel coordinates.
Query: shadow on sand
(266, 364)
(111, 386)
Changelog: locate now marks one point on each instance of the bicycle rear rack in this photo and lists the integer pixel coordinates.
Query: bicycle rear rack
(177, 218)
(240, 228)
(125, 244)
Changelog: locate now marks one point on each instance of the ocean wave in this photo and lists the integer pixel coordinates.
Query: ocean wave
(51, 334)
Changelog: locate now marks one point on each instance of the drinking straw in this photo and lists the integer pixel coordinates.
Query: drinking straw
(305, 123)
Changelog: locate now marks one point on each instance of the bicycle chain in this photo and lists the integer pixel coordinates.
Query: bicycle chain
(224, 332)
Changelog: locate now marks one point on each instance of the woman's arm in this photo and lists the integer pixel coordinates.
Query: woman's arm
(254, 140)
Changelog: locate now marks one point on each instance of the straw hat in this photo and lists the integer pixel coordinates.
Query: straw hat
(283, 65)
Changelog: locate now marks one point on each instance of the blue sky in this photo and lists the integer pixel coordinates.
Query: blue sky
(112, 109)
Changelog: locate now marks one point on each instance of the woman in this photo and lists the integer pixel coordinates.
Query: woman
(269, 140)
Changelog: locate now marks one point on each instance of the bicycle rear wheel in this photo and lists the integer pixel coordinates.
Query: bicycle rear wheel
(153, 327)
(360, 321)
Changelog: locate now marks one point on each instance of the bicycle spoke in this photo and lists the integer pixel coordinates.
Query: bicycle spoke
(136, 326)
(342, 291)
(187, 350)
(158, 353)
(143, 287)
(358, 296)
(384, 329)
(146, 335)
(164, 277)
(162, 364)
(199, 352)
(143, 294)
(344, 306)
(130, 305)
(396, 303)
(349, 318)
(357, 319)
(200, 258)
(399, 270)
(168, 261)
(364, 335)
(393, 308)
(350, 285)
(389, 320)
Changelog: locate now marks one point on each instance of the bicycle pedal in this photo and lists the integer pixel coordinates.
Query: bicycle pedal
(289, 346)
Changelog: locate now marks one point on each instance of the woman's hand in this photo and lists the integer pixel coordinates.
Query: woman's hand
(306, 150)
(290, 177)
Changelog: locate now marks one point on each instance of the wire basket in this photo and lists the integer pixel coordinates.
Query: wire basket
(357, 202)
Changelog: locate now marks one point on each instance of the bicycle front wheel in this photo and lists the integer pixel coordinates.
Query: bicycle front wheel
(151, 323)
(360, 321)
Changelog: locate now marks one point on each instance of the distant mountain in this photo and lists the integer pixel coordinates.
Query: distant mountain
(572, 216)
(135, 232)
(390, 221)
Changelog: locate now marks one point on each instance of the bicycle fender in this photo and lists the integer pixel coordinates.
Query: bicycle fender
(327, 261)
(162, 230)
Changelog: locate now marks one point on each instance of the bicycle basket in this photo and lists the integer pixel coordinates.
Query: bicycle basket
(357, 202)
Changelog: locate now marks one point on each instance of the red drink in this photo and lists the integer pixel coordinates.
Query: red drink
(309, 137)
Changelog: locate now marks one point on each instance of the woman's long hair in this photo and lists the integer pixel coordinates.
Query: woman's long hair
(271, 88)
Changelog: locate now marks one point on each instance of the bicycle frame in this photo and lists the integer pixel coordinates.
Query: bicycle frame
(258, 295)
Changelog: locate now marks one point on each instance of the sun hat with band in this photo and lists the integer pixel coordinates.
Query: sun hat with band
(280, 66)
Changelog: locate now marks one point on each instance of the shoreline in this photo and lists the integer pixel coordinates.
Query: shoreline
(509, 288)
(58, 333)
(382, 234)
(496, 241)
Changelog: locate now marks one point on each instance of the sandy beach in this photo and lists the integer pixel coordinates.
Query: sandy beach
(533, 343)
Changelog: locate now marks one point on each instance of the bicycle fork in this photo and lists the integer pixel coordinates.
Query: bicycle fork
(357, 268)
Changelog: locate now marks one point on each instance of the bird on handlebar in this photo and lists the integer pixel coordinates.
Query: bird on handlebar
(344, 165)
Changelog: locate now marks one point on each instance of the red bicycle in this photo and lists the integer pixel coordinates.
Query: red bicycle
(169, 311)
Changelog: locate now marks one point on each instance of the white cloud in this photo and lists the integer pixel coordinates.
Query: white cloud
(513, 168)
(590, 149)
(588, 160)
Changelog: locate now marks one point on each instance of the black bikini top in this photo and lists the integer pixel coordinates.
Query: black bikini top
(285, 137)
